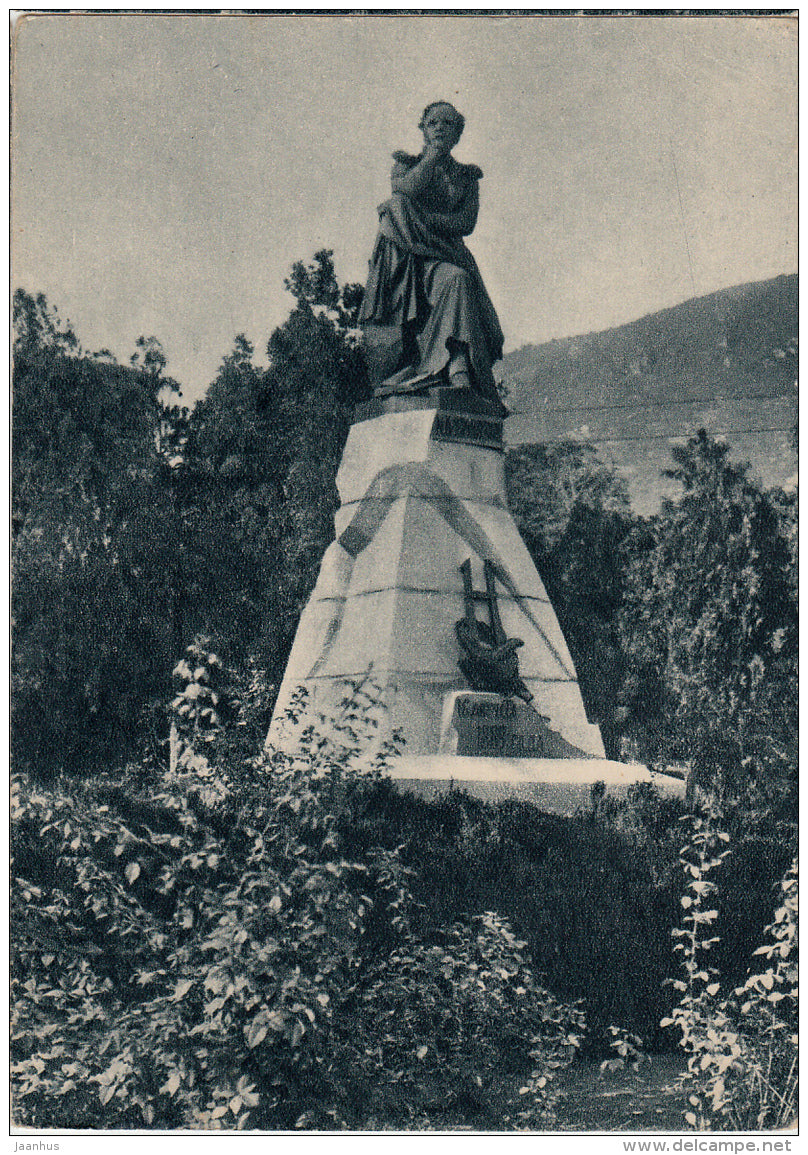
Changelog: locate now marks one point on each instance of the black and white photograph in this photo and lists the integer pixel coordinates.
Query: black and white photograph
(404, 716)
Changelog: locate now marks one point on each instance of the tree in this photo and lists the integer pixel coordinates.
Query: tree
(139, 525)
(573, 513)
(709, 624)
(256, 489)
(92, 535)
(228, 491)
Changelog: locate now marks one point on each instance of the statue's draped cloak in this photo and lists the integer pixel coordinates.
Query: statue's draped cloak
(425, 302)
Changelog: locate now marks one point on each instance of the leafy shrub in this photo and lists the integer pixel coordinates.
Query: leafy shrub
(470, 1010)
(594, 896)
(742, 1055)
(627, 1051)
(221, 960)
(94, 551)
(708, 626)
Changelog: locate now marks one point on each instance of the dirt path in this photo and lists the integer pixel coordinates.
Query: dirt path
(641, 1100)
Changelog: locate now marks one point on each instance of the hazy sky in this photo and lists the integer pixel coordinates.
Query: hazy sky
(169, 169)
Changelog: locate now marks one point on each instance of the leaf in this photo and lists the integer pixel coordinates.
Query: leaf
(690, 1118)
(181, 989)
(106, 1093)
(132, 872)
(256, 1032)
(275, 903)
(214, 981)
(713, 988)
(247, 1091)
(171, 1085)
(422, 1052)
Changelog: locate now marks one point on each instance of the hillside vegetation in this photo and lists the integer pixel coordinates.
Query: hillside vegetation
(726, 363)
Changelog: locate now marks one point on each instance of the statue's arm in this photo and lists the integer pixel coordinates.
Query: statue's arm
(461, 222)
(411, 179)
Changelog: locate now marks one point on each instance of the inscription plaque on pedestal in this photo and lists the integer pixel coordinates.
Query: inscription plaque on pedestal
(472, 430)
(492, 726)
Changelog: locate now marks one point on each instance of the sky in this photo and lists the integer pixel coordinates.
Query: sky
(167, 170)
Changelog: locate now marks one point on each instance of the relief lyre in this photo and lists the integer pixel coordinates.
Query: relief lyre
(490, 662)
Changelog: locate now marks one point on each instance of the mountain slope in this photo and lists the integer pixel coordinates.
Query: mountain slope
(726, 362)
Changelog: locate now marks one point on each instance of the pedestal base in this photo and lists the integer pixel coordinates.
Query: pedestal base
(423, 502)
(554, 785)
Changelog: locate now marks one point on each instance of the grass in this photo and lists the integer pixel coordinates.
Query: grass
(645, 1099)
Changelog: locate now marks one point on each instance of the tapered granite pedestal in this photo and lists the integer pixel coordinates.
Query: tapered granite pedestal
(423, 510)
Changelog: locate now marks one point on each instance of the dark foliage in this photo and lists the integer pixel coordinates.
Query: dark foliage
(573, 514)
(92, 597)
(594, 896)
(139, 526)
(255, 491)
(708, 625)
(216, 956)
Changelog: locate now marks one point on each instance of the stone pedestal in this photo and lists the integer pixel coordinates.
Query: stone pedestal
(422, 492)
(554, 785)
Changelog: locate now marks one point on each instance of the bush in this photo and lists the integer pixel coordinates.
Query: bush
(742, 1044)
(469, 1009)
(708, 627)
(594, 896)
(286, 941)
(214, 956)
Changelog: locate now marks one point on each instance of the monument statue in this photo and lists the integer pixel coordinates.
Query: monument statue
(428, 586)
(426, 315)
(428, 590)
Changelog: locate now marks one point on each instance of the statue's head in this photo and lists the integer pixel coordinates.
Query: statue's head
(442, 124)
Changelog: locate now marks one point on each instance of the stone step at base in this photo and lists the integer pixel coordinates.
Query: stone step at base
(555, 785)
